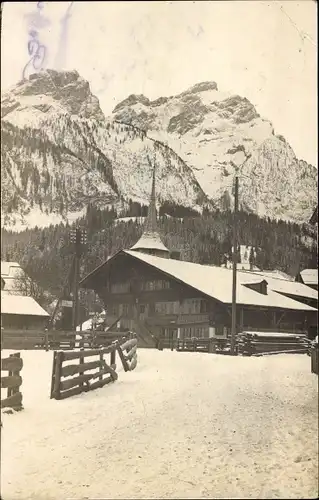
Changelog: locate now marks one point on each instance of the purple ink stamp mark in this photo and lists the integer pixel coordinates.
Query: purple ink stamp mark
(36, 50)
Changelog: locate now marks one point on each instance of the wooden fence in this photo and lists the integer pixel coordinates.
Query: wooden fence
(60, 339)
(201, 345)
(12, 382)
(37, 339)
(259, 344)
(63, 387)
(128, 358)
(94, 339)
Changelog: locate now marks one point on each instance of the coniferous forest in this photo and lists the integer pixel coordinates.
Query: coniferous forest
(46, 253)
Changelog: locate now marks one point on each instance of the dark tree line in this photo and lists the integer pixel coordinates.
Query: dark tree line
(45, 254)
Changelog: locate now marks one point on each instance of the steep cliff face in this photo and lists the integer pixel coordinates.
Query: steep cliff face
(59, 153)
(220, 135)
(52, 91)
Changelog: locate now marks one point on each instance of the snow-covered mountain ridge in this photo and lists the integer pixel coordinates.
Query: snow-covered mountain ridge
(59, 153)
(220, 135)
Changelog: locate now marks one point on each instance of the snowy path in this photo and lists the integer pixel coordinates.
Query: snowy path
(182, 425)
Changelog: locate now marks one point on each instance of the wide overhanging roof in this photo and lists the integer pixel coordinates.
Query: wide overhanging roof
(216, 282)
(21, 305)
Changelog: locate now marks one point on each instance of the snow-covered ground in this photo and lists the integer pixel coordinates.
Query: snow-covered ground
(182, 425)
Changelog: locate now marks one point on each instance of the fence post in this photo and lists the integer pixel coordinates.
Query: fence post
(210, 346)
(53, 375)
(101, 363)
(9, 391)
(46, 339)
(113, 358)
(249, 346)
(57, 375)
(16, 373)
(81, 361)
(122, 358)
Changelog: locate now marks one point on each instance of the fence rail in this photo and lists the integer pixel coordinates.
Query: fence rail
(82, 374)
(37, 339)
(201, 345)
(97, 338)
(12, 382)
(55, 339)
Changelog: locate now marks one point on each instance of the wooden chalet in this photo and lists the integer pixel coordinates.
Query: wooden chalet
(22, 313)
(163, 298)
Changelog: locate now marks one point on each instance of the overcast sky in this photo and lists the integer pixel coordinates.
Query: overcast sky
(265, 51)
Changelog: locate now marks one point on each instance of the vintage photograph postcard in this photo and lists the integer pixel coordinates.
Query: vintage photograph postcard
(159, 250)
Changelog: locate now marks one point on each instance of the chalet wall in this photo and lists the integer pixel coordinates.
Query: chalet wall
(23, 322)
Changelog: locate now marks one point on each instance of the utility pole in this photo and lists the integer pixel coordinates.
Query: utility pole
(78, 238)
(235, 249)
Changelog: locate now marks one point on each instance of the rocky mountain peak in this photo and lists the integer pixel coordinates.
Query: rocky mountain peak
(215, 133)
(200, 87)
(53, 90)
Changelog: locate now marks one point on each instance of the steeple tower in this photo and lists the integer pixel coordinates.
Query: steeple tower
(150, 242)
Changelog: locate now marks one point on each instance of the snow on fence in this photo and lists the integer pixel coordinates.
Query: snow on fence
(129, 359)
(259, 344)
(12, 382)
(63, 387)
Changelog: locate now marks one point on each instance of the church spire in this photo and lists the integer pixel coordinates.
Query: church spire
(150, 241)
(151, 220)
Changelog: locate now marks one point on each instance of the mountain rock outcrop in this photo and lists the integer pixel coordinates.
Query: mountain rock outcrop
(59, 153)
(221, 135)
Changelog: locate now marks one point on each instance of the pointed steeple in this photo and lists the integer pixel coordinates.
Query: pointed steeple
(150, 242)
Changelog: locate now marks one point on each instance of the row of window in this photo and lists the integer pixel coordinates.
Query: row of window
(146, 286)
(166, 308)
(120, 287)
(188, 306)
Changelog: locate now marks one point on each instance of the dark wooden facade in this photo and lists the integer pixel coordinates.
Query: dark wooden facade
(23, 322)
(134, 290)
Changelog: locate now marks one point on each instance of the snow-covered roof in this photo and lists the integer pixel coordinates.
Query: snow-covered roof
(19, 304)
(310, 276)
(150, 241)
(10, 269)
(10, 272)
(216, 282)
(242, 266)
(282, 285)
(277, 274)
